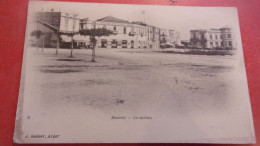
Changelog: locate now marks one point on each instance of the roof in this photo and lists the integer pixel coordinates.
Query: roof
(226, 28)
(139, 23)
(214, 30)
(112, 19)
(199, 30)
(47, 25)
(205, 30)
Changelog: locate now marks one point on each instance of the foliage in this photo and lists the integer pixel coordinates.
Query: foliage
(36, 33)
(67, 33)
(93, 33)
(96, 32)
(163, 39)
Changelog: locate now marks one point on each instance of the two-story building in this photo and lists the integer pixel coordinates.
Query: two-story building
(168, 36)
(213, 38)
(228, 37)
(127, 34)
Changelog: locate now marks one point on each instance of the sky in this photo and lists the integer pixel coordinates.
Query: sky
(179, 18)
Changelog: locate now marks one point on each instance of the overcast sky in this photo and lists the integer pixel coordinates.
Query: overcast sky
(181, 19)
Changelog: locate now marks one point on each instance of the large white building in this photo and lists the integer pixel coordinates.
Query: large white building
(128, 34)
(56, 25)
(213, 38)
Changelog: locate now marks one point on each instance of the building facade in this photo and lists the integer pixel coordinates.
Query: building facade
(52, 23)
(214, 38)
(168, 37)
(127, 34)
(228, 38)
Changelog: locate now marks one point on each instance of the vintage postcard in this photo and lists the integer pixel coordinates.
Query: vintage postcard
(120, 73)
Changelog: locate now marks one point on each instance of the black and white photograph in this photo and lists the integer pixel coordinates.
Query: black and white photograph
(121, 73)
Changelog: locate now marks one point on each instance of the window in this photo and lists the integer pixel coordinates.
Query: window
(230, 43)
(229, 35)
(216, 44)
(210, 36)
(216, 37)
(198, 44)
(124, 43)
(199, 37)
(211, 44)
(66, 23)
(114, 44)
(114, 28)
(124, 30)
(81, 26)
(225, 43)
(103, 43)
(74, 24)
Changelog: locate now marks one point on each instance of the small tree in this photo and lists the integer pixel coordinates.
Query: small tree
(93, 33)
(163, 39)
(58, 43)
(37, 34)
(71, 34)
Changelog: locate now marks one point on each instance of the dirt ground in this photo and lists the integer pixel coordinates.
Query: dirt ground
(128, 79)
(184, 90)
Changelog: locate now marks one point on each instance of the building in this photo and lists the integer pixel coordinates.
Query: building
(127, 34)
(228, 38)
(54, 23)
(168, 37)
(214, 38)
(64, 26)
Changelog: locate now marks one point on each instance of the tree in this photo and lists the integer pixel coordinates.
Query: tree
(93, 33)
(58, 43)
(163, 39)
(71, 34)
(37, 34)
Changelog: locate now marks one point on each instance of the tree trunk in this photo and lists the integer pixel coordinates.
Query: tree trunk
(93, 53)
(58, 44)
(37, 48)
(43, 43)
(72, 47)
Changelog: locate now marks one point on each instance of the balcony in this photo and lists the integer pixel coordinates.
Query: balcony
(132, 33)
(115, 32)
(198, 40)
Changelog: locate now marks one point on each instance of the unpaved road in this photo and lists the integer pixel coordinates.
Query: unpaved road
(131, 79)
(76, 98)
